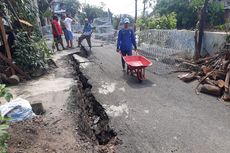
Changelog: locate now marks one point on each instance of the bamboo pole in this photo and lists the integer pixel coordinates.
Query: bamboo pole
(6, 45)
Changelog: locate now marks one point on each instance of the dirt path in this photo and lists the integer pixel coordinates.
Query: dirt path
(74, 122)
(56, 131)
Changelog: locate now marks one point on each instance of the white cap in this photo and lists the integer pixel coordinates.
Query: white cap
(126, 20)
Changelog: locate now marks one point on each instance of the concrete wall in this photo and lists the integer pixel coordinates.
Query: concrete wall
(180, 41)
(213, 41)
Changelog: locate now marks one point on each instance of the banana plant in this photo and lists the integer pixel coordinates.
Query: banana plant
(4, 125)
(5, 93)
(4, 134)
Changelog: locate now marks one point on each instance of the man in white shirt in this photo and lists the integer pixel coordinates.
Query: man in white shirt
(68, 31)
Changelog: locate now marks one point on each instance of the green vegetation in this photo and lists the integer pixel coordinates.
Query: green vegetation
(25, 10)
(164, 22)
(4, 135)
(30, 50)
(5, 93)
(72, 6)
(44, 11)
(91, 12)
(187, 12)
(215, 14)
(30, 53)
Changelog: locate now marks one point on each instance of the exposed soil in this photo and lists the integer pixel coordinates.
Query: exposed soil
(93, 118)
(74, 121)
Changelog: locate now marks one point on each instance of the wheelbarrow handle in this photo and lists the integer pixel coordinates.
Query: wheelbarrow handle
(136, 53)
(120, 53)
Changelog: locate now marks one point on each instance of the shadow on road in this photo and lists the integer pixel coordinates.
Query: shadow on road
(134, 83)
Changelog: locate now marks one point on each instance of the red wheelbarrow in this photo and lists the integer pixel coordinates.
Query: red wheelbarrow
(137, 64)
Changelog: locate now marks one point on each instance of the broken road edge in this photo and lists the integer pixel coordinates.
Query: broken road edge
(91, 117)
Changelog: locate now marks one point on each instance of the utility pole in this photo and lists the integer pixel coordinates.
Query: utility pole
(135, 16)
(144, 9)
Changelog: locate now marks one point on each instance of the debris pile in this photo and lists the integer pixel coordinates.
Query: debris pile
(213, 74)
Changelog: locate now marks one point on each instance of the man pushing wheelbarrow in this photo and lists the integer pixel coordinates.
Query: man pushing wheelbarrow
(135, 64)
(125, 42)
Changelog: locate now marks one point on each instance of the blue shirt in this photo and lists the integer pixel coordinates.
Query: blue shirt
(126, 39)
(87, 29)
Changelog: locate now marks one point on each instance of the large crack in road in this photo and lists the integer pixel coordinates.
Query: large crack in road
(92, 118)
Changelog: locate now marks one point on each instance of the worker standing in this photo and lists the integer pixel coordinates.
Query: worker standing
(125, 42)
(68, 30)
(62, 24)
(87, 33)
(57, 32)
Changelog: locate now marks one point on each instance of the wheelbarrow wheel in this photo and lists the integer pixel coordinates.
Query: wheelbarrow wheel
(139, 75)
(140, 81)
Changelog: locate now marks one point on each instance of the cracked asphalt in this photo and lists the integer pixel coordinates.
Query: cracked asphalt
(160, 115)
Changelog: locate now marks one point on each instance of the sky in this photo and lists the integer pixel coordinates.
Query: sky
(118, 6)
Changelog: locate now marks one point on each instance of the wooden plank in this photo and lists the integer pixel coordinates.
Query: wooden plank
(6, 45)
(12, 65)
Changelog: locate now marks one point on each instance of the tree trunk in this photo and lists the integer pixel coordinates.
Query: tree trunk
(202, 25)
(211, 89)
(197, 53)
(12, 65)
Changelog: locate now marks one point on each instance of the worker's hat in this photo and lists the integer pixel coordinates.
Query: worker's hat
(126, 20)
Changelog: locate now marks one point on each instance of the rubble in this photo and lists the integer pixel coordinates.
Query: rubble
(38, 108)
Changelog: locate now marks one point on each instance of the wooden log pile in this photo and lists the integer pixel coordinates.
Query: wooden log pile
(213, 74)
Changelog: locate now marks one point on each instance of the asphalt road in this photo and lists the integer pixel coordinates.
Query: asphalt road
(160, 115)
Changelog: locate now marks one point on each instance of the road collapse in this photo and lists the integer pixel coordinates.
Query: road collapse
(213, 74)
(92, 119)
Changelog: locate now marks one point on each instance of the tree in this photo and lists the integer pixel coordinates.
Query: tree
(116, 21)
(163, 22)
(187, 12)
(72, 6)
(146, 4)
(91, 12)
(44, 11)
(186, 15)
(23, 9)
(215, 15)
(198, 43)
